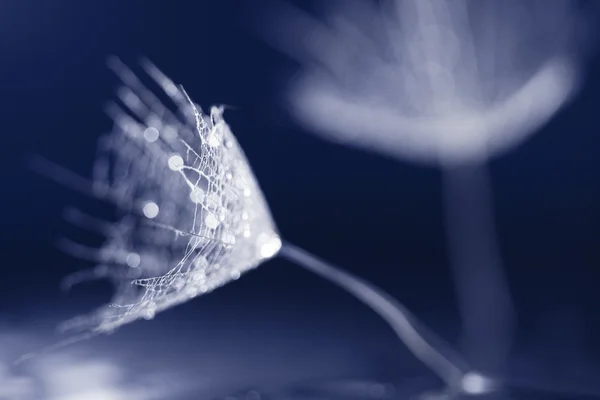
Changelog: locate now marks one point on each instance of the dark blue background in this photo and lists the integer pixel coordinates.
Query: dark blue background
(379, 218)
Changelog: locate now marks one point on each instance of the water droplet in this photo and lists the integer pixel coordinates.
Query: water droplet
(213, 139)
(192, 292)
(270, 245)
(475, 384)
(198, 276)
(197, 195)
(150, 209)
(133, 260)
(228, 238)
(200, 262)
(150, 311)
(211, 221)
(151, 134)
(175, 162)
(178, 284)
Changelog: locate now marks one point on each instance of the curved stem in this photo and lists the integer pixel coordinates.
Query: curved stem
(394, 313)
(483, 291)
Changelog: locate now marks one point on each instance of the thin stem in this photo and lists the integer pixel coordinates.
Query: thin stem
(394, 313)
(483, 291)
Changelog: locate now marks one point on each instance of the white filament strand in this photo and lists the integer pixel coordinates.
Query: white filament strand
(394, 313)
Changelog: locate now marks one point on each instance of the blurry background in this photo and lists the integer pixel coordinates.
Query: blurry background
(378, 218)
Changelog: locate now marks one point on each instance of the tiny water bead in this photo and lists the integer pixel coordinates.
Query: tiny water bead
(269, 245)
(197, 276)
(228, 238)
(214, 139)
(211, 221)
(149, 311)
(151, 134)
(175, 162)
(178, 284)
(474, 383)
(197, 195)
(192, 292)
(150, 210)
(201, 262)
(133, 260)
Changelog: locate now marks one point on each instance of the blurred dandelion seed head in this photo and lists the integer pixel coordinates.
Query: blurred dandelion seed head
(432, 81)
(193, 216)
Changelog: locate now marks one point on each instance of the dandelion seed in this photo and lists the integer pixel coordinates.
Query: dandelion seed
(449, 83)
(432, 81)
(226, 234)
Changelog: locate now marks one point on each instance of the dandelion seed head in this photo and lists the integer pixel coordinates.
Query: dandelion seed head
(207, 222)
(432, 81)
